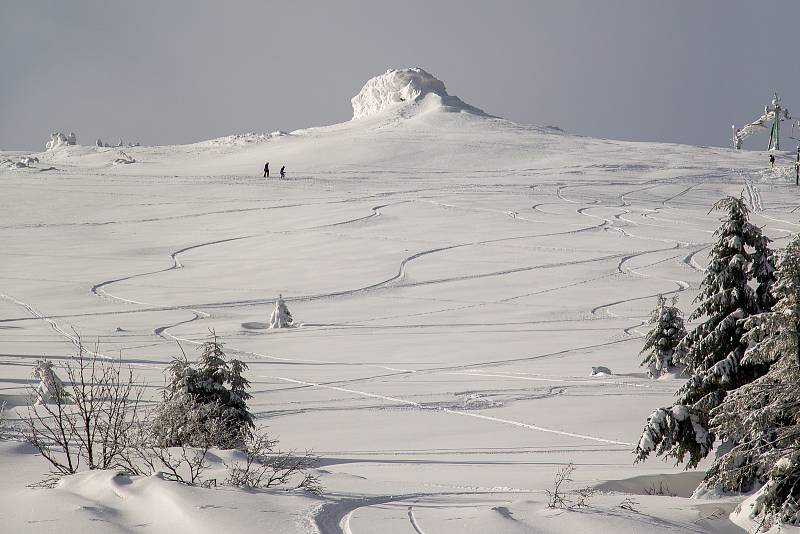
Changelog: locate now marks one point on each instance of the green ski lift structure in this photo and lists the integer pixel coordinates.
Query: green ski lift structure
(774, 114)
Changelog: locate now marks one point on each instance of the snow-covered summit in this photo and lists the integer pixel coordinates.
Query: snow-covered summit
(402, 87)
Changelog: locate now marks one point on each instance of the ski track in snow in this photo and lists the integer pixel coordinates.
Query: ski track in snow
(450, 411)
(605, 222)
(413, 520)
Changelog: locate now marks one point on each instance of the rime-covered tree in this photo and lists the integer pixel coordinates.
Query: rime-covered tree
(50, 387)
(281, 317)
(217, 384)
(212, 372)
(713, 351)
(762, 418)
(663, 338)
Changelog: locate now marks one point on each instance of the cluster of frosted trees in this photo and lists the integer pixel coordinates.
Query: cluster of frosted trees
(743, 365)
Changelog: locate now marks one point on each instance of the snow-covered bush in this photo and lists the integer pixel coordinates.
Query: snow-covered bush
(58, 139)
(712, 353)
(662, 340)
(50, 388)
(218, 385)
(281, 317)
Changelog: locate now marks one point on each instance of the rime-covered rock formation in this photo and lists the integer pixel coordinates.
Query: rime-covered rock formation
(58, 139)
(401, 87)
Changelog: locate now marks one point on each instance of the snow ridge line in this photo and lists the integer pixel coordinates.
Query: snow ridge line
(450, 411)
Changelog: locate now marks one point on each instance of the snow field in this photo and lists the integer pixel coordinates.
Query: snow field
(457, 277)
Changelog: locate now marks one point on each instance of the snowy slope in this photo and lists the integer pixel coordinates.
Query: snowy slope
(457, 276)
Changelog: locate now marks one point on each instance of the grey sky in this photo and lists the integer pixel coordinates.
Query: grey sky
(176, 72)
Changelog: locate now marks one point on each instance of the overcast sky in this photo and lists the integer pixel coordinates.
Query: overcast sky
(164, 72)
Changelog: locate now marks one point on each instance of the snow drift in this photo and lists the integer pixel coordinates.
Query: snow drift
(403, 87)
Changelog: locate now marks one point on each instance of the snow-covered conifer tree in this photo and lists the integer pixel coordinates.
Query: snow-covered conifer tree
(281, 317)
(217, 385)
(660, 343)
(713, 351)
(762, 270)
(762, 418)
(50, 388)
(212, 370)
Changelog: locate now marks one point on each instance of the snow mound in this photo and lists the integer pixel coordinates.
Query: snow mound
(24, 163)
(58, 139)
(397, 87)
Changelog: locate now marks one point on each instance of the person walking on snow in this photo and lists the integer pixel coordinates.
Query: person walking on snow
(283, 174)
(266, 170)
(772, 161)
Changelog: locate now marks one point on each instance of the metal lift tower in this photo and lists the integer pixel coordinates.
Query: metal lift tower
(774, 113)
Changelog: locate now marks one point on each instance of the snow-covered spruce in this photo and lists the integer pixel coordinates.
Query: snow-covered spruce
(761, 418)
(662, 340)
(281, 317)
(216, 383)
(50, 388)
(712, 353)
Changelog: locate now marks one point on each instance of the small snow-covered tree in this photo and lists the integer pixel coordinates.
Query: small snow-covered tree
(217, 384)
(713, 351)
(660, 343)
(281, 317)
(50, 388)
(762, 418)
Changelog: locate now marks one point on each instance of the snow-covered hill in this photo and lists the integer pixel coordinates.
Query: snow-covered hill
(456, 275)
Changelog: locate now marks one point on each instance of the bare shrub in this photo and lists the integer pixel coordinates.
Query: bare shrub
(86, 427)
(264, 467)
(150, 445)
(662, 489)
(567, 499)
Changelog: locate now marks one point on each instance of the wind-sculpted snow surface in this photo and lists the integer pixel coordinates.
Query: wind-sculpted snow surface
(457, 277)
